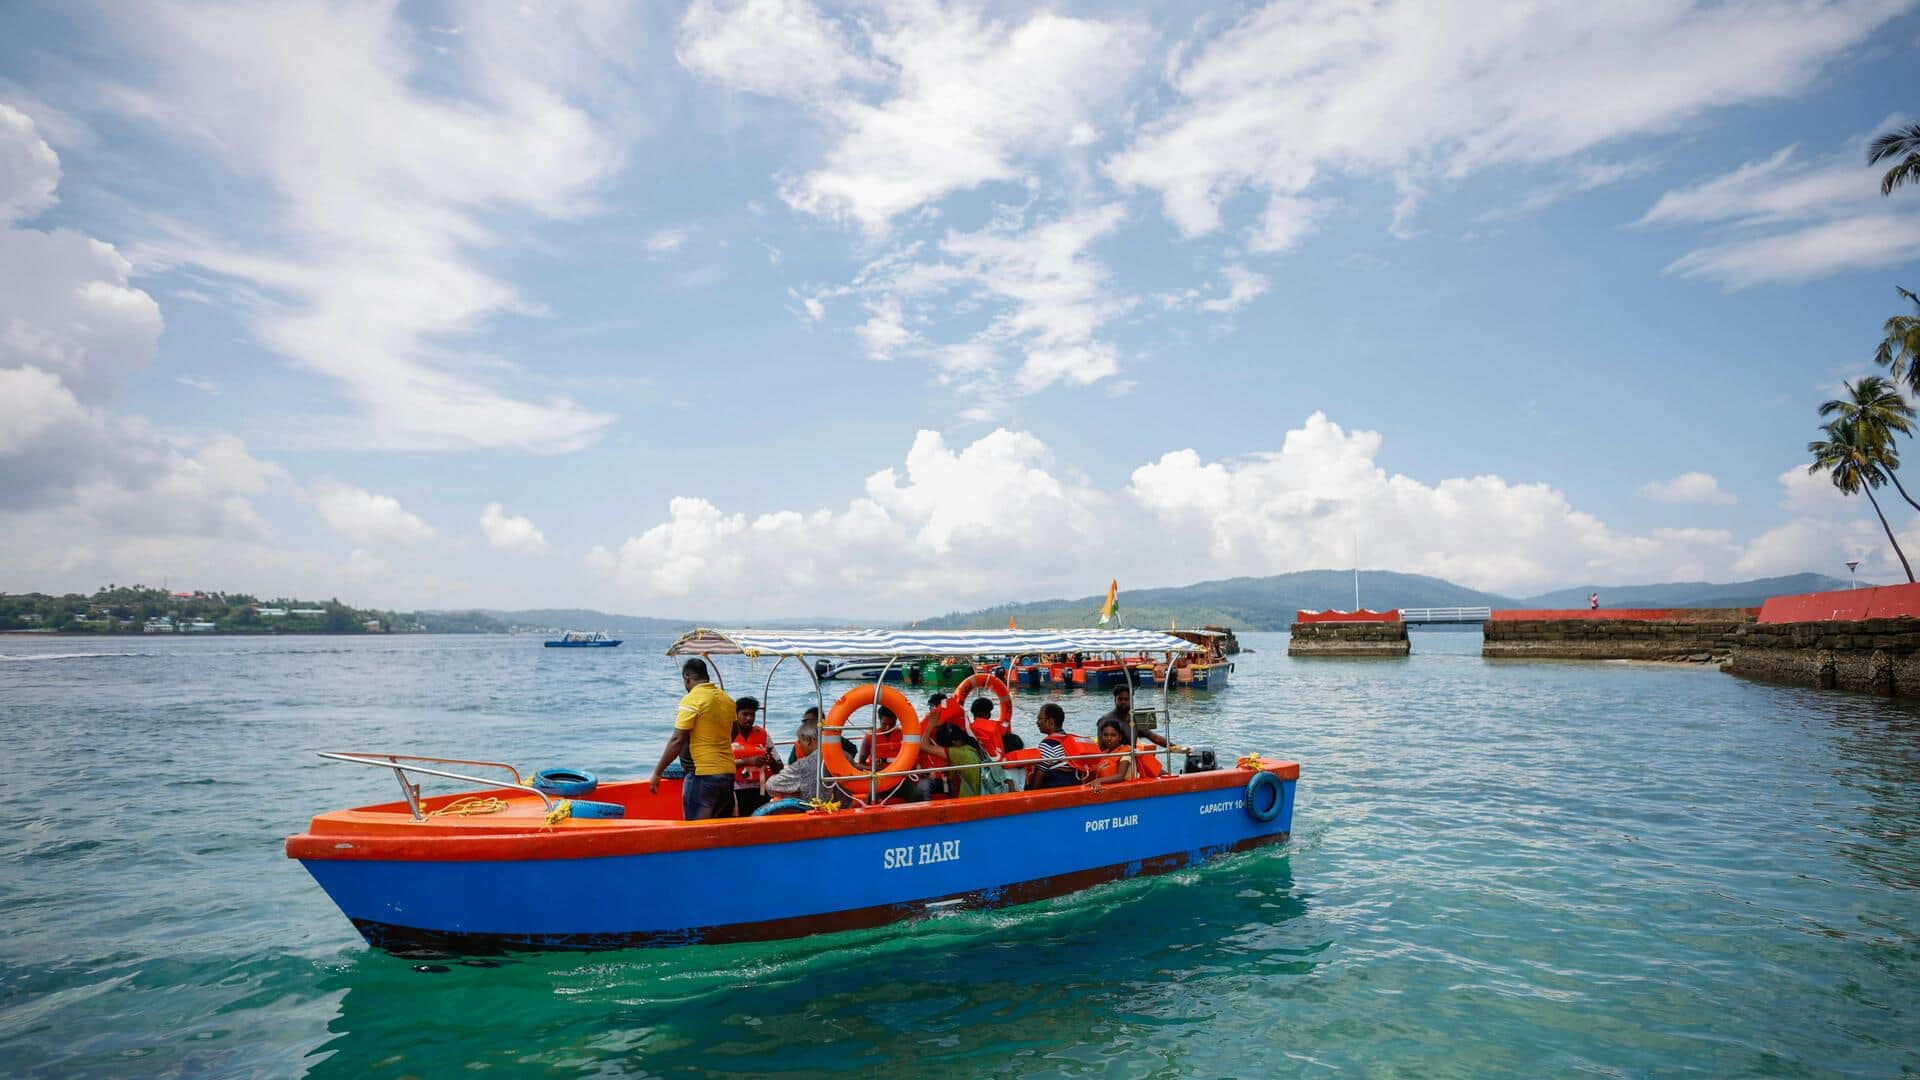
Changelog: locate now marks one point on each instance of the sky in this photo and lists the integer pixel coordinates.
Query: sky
(775, 308)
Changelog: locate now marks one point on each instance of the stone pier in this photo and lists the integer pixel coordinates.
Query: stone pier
(1703, 635)
(1880, 656)
(1348, 639)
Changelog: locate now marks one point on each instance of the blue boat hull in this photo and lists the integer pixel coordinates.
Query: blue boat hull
(582, 644)
(757, 892)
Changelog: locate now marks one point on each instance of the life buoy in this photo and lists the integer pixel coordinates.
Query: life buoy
(834, 756)
(566, 783)
(783, 806)
(991, 682)
(1264, 785)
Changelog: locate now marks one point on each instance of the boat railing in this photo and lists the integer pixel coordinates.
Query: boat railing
(412, 790)
(851, 781)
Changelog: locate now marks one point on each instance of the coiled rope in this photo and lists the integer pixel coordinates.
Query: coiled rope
(471, 805)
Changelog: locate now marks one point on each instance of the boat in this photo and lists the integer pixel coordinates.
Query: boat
(865, 669)
(507, 865)
(584, 639)
(1211, 669)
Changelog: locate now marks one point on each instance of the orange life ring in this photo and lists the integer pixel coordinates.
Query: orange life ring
(834, 757)
(991, 681)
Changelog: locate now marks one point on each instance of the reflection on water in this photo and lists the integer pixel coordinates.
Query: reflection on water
(1513, 869)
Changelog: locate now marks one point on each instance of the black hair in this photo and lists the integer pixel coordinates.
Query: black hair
(1119, 686)
(813, 711)
(982, 707)
(1117, 729)
(746, 704)
(886, 713)
(1011, 742)
(934, 700)
(696, 668)
(955, 735)
(1052, 710)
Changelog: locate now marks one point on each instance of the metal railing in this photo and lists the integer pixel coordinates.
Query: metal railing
(412, 790)
(1445, 614)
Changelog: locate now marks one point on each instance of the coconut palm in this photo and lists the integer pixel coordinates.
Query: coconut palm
(1880, 413)
(1854, 463)
(1901, 146)
(1900, 346)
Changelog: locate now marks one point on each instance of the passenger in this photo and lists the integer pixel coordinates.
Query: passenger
(1053, 770)
(989, 733)
(943, 708)
(1123, 714)
(804, 778)
(882, 745)
(812, 716)
(1112, 769)
(1015, 757)
(753, 759)
(704, 729)
(961, 750)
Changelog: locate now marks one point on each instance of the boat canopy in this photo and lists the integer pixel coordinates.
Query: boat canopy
(824, 643)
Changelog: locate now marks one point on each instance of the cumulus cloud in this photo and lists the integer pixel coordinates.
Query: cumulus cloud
(1392, 89)
(29, 169)
(379, 165)
(1688, 487)
(368, 519)
(664, 241)
(1791, 220)
(514, 533)
(999, 519)
(920, 100)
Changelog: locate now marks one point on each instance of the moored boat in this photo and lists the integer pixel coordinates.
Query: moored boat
(509, 866)
(584, 639)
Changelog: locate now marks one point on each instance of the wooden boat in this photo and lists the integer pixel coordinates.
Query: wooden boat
(512, 866)
(584, 639)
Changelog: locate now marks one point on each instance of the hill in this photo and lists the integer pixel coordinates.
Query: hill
(1244, 603)
(1686, 594)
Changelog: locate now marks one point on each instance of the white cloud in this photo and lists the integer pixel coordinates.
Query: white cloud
(367, 519)
(662, 241)
(1792, 221)
(920, 100)
(1243, 286)
(1688, 487)
(29, 169)
(364, 565)
(1028, 527)
(511, 533)
(1415, 92)
(378, 179)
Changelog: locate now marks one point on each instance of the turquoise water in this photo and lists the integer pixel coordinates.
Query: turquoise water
(1497, 869)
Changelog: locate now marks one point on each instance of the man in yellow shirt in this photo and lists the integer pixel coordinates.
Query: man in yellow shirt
(703, 732)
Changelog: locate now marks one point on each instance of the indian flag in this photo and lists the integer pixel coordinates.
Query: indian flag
(1112, 606)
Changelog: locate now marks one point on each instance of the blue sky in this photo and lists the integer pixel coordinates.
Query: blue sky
(446, 305)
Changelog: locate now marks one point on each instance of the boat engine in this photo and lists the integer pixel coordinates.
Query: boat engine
(1201, 759)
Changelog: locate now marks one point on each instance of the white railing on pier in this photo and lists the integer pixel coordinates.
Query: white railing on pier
(1445, 614)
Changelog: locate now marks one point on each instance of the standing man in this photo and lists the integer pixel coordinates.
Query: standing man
(704, 729)
(1123, 714)
(752, 757)
(1593, 601)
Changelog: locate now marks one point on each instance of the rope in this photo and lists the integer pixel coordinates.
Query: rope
(562, 810)
(1248, 761)
(825, 806)
(470, 805)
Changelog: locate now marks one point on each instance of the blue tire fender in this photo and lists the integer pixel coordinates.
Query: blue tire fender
(1265, 797)
(585, 808)
(565, 783)
(783, 806)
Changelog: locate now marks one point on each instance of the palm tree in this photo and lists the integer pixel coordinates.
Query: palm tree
(1901, 143)
(1880, 413)
(1854, 464)
(1900, 347)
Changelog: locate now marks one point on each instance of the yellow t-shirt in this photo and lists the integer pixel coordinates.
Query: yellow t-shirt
(706, 713)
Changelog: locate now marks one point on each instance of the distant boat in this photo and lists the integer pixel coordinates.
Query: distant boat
(583, 639)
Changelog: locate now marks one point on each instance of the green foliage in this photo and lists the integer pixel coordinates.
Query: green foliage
(1902, 147)
(126, 609)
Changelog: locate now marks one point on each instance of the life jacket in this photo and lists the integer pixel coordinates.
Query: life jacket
(1106, 768)
(746, 746)
(990, 733)
(886, 744)
(1149, 764)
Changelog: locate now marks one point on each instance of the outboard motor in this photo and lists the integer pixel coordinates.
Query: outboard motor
(1201, 759)
(820, 668)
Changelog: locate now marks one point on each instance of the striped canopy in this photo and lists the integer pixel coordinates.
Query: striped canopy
(923, 642)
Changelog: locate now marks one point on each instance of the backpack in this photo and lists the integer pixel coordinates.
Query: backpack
(993, 780)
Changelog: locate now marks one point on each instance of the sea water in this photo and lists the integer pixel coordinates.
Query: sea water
(1497, 868)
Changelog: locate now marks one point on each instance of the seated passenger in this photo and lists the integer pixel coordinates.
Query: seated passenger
(1112, 769)
(988, 733)
(962, 750)
(804, 778)
(881, 746)
(1015, 758)
(1053, 769)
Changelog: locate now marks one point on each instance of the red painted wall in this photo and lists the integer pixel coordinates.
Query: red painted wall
(1363, 615)
(1879, 602)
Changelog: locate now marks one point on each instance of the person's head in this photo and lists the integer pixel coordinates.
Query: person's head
(982, 708)
(811, 716)
(947, 735)
(694, 672)
(934, 701)
(1011, 742)
(1110, 735)
(806, 738)
(1122, 698)
(1051, 719)
(887, 719)
(743, 712)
